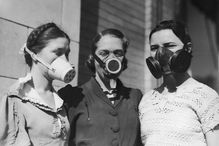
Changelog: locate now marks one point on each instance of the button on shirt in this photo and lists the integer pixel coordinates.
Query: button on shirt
(96, 121)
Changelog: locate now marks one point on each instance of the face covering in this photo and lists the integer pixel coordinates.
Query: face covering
(112, 66)
(59, 69)
(165, 61)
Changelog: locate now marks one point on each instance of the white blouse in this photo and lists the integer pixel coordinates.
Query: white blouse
(180, 118)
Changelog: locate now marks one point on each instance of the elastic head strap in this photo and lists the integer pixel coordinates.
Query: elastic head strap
(36, 58)
(102, 64)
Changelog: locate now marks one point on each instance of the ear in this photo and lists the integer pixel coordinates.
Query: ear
(189, 47)
(124, 63)
(90, 63)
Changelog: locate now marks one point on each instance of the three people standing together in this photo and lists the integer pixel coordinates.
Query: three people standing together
(103, 112)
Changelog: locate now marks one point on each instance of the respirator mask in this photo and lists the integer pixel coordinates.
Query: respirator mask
(165, 61)
(59, 69)
(112, 66)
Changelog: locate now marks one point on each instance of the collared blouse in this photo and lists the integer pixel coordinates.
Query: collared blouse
(26, 120)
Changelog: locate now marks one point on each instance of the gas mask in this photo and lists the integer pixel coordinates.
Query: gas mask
(165, 61)
(59, 69)
(112, 66)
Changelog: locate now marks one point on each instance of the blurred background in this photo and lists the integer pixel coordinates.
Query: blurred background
(82, 19)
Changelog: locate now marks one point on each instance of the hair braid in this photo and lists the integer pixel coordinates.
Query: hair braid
(40, 37)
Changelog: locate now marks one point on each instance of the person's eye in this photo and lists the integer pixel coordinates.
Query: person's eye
(170, 46)
(59, 53)
(103, 53)
(119, 53)
(154, 47)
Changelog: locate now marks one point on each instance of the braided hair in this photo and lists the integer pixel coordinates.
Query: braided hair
(40, 37)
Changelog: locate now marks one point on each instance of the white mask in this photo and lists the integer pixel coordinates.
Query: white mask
(59, 69)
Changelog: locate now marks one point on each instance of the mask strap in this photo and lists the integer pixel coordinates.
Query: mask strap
(102, 64)
(36, 58)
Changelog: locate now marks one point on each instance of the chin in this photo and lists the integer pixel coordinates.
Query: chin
(112, 76)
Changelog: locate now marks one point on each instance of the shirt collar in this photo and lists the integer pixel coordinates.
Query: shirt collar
(113, 84)
(28, 93)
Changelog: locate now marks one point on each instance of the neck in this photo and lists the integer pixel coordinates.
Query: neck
(181, 77)
(106, 81)
(40, 82)
(174, 80)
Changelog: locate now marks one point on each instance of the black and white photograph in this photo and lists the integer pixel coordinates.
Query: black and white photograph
(109, 72)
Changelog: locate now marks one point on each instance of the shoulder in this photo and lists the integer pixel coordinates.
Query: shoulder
(9, 102)
(14, 92)
(202, 90)
(146, 97)
(132, 93)
(70, 93)
(136, 92)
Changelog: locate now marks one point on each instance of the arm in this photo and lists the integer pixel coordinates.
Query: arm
(208, 113)
(212, 137)
(12, 127)
(3, 120)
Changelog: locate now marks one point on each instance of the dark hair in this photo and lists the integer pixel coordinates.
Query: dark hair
(113, 32)
(40, 37)
(178, 28)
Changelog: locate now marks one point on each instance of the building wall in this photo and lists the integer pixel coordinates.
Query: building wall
(18, 18)
(205, 50)
(126, 15)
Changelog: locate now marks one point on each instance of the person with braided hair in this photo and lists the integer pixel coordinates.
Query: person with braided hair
(32, 113)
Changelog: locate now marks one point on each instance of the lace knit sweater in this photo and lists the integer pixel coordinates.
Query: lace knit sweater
(181, 118)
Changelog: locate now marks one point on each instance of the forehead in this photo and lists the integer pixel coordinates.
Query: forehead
(164, 36)
(109, 42)
(58, 43)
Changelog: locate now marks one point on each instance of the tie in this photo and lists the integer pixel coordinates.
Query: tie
(112, 95)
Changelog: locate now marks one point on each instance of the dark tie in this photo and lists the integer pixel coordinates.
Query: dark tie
(111, 95)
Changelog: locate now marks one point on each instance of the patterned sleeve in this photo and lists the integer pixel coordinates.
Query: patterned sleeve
(12, 127)
(142, 107)
(143, 102)
(207, 107)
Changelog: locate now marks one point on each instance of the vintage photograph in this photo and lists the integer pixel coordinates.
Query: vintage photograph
(109, 72)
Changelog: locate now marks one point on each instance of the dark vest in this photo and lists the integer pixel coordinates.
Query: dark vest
(95, 121)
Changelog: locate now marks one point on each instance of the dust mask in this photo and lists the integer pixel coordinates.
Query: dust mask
(59, 69)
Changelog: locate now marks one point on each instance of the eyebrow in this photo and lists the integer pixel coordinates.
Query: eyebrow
(111, 50)
(168, 43)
